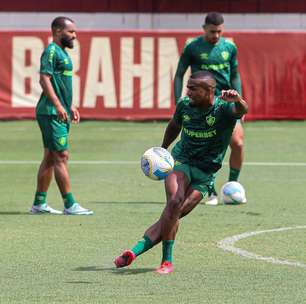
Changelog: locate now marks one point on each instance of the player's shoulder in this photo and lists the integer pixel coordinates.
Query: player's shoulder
(50, 50)
(191, 42)
(51, 47)
(183, 102)
(228, 42)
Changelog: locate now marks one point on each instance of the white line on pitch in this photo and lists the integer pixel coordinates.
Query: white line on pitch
(72, 162)
(132, 162)
(228, 244)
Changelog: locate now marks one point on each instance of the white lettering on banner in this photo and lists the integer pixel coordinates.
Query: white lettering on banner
(168, 58)
(75, 57)
(100, 63)
(22, 71)
(129, 70)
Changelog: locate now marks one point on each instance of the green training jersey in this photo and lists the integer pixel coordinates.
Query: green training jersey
(220, 59)
(56, 62)
(205, 135)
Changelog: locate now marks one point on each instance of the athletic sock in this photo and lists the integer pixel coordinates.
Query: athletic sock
(233, 175)
(212, 190)
(40, 198)
(167, 250)
(68, 200)
(142, 246)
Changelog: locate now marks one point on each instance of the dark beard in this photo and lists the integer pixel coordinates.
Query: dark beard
(67, 42)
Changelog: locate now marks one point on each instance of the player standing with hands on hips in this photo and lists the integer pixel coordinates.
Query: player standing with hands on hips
(206, 124)
(211, 52)
(54, 112)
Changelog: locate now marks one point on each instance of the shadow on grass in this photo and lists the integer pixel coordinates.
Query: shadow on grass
(13, 213)
(128, 203)
(113, 270)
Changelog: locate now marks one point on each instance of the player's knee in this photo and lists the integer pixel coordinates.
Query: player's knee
(174, 206)
(61, 156)
(237, 143)
(48, 158)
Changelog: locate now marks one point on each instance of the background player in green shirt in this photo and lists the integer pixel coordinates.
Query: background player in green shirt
(213, 53)
(54, 112)
(206, 124)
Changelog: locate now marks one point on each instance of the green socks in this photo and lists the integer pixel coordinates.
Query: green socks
(167, 250)
(146, 244)
(68, 200)
(142, 246)
(233, 175)
(40, 198)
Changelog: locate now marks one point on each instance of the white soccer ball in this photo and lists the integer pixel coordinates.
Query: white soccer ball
(233, 193)
(157, 163)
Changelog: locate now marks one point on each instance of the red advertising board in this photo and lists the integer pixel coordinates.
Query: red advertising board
(129, 74)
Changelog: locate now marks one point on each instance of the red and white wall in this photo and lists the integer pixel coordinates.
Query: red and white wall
(129, 74)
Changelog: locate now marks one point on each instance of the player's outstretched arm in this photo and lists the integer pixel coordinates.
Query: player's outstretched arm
(241, 107)
(172, 131)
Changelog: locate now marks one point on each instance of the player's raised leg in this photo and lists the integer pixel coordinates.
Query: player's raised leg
(153, 234)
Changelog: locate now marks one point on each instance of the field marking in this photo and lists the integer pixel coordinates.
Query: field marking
(133, 162)
(72, 162)
(228, 244)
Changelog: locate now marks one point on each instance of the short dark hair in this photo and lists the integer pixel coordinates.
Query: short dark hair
(59, 23)
(202, 74)
(214, 18)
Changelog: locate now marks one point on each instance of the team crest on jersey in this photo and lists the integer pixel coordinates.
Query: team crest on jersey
(210, 120)
(186, 118)
(66, 61)
(62, 141)
(225, 55)
(204, 56)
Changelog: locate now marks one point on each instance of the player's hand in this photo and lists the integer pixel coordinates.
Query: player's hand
(61, 113)
(75, 115)
(230, 96)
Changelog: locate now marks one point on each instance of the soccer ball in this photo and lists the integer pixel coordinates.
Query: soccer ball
(233, 193)
(157, 163)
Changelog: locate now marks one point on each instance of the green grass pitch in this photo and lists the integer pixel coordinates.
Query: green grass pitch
(66, 259)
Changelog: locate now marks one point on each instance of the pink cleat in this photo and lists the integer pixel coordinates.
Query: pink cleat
(165, 268)
(125, 259)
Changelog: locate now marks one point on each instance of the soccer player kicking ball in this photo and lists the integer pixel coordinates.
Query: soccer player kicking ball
(206, 124)
(54, 112)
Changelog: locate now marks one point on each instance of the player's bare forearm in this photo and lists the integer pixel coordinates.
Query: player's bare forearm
(240, 105)
(171, 133)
